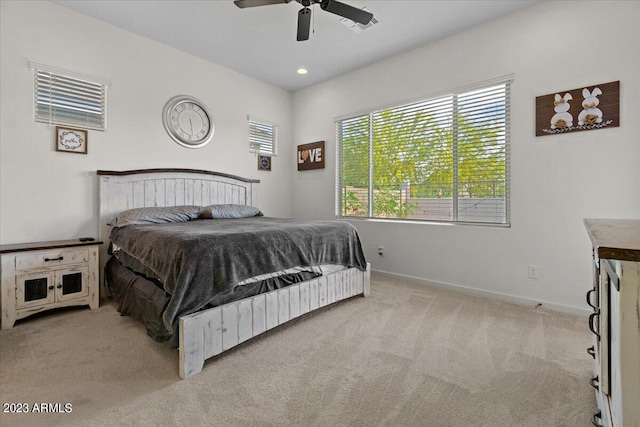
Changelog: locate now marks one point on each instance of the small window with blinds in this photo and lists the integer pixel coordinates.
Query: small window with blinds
(441, 159)
(263, 137)
(66, 98)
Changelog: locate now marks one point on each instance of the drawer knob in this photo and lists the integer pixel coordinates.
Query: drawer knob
(51, 287)
(59, 286)
(60, 258)
(596, 418)
(594, 382)
(592, 351)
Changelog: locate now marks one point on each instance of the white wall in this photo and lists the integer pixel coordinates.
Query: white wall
(49, 195)
(556, 180)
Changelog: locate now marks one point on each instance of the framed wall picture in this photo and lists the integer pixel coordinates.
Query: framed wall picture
(311, 156)
(71, 140)
(579, 109)
(264, 163)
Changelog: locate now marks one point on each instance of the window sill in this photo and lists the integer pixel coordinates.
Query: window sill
(423, 222)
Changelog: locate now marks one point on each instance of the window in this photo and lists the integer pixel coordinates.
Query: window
(441, 159)
(263, 137)
(61, 97)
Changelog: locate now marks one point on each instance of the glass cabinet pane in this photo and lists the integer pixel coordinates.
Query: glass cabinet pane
(71, 283)
(35, 289)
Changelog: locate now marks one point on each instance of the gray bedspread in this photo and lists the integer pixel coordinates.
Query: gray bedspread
(199, 259)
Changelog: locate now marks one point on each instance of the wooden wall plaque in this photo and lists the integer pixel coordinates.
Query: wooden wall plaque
(584, 108)
(311, 156)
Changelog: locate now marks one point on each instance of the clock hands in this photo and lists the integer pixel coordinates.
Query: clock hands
(191, 123)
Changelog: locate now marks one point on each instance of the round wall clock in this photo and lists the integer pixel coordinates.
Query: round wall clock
(187, 121)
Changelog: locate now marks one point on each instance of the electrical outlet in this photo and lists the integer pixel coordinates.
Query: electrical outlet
(533, 272)
(381, 251)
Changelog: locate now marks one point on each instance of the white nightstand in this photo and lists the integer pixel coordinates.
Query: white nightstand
(44, 275)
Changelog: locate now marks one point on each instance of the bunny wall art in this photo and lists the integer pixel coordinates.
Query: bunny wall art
(562, 118)
(590, 115)
(600, 108)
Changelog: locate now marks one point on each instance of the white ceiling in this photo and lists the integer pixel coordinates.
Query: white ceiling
(261, 41)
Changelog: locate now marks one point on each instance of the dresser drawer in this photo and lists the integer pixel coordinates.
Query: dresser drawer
(51, 258)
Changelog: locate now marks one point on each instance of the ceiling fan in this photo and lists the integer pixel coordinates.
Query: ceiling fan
(304, 15)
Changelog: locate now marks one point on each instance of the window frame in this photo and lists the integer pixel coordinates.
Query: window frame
(91, 91)
(339, 208)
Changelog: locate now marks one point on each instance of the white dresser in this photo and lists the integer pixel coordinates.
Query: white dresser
(615, 321)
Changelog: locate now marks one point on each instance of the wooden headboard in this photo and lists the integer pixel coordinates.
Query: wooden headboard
(122, 190)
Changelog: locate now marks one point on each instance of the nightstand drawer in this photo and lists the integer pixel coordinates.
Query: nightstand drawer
(51, 258)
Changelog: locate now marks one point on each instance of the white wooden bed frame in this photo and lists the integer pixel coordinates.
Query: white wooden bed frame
(210, 332)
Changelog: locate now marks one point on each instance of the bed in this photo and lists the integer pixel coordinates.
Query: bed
(215, 309)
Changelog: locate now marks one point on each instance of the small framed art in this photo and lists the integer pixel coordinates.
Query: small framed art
(71, 140)
(264, 163)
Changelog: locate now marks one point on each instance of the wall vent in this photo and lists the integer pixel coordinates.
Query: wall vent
(357, 27)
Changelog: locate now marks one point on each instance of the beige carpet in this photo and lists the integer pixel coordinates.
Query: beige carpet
(408, 355)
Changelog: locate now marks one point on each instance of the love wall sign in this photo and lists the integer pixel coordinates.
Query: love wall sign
(311, 156)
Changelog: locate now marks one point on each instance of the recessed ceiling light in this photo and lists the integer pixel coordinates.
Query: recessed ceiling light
(302, 70)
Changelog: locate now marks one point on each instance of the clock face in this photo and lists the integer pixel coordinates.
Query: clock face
(188, 122)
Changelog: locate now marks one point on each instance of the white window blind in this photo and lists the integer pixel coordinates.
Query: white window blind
(66, 98)
(263, 137)
(441, 159)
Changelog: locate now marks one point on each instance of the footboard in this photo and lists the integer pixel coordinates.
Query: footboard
(211, 332)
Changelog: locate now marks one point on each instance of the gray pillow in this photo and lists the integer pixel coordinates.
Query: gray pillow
(229, 211)
(158, 215)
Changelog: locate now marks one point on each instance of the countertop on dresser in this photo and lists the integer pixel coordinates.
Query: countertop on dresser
(615, 238)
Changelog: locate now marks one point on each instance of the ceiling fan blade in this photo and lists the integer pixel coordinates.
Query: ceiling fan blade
(253, 3)
(346, 11)
(304, 23)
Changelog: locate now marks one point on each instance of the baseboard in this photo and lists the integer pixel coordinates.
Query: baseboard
(488, 294)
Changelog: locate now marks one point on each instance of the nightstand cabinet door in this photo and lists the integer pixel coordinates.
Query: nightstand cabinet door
(71, 283)
(35, 289)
